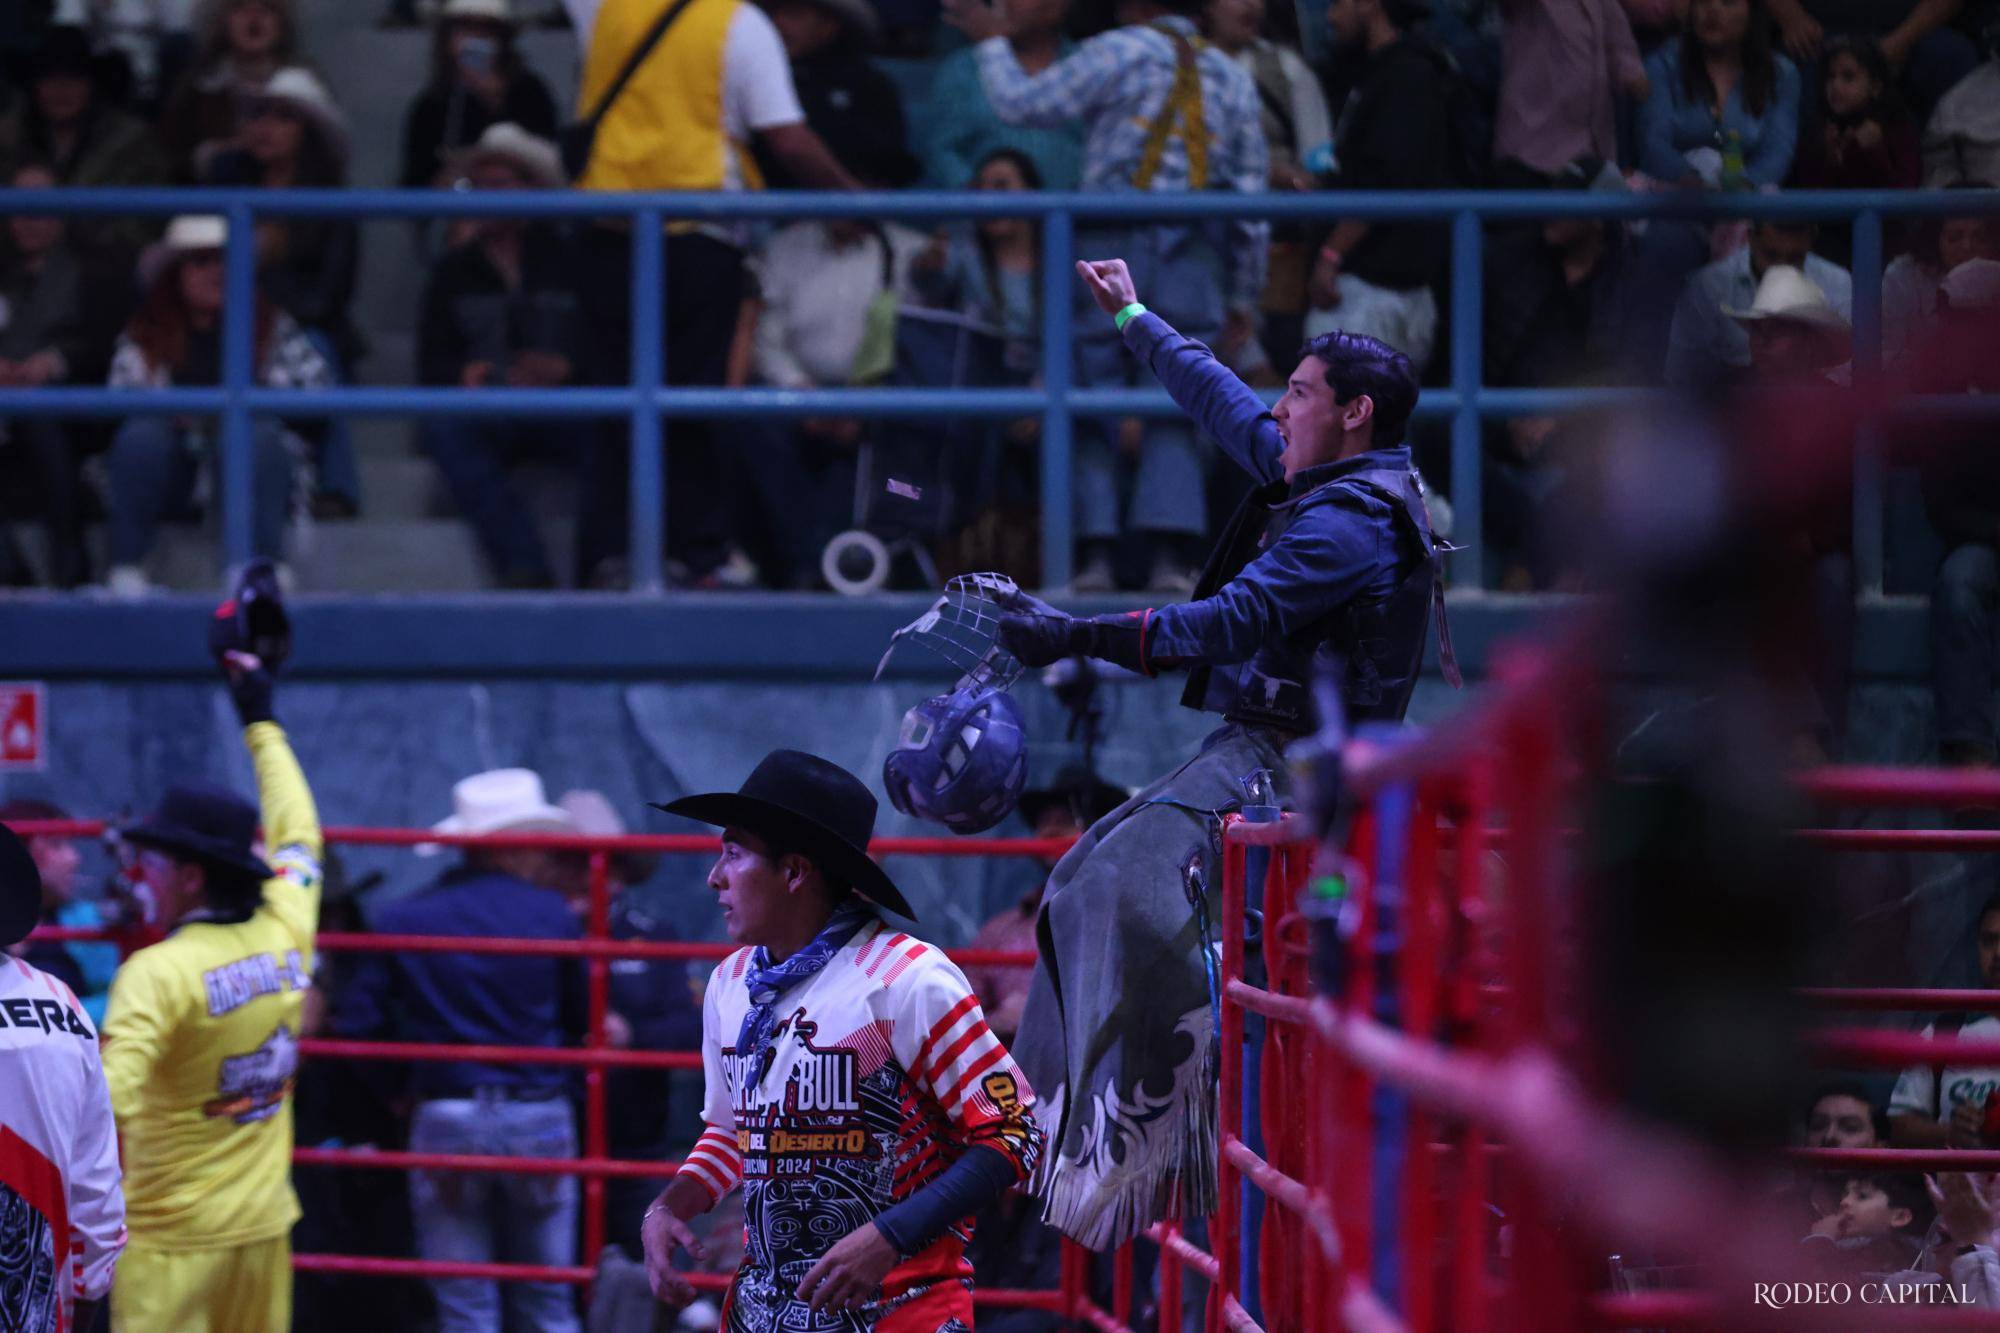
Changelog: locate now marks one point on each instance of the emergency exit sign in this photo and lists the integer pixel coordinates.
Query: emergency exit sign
(24, 726)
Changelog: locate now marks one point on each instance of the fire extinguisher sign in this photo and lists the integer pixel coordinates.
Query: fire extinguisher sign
(24, 726)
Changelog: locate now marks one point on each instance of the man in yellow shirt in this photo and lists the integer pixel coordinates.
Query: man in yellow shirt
(201, 1039)
(713, 92)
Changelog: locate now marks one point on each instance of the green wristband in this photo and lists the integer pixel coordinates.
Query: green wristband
(1128, 312)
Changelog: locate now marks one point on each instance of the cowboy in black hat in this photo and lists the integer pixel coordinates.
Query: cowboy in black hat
(66, 1216)
(816, 1039)
(201, 1037)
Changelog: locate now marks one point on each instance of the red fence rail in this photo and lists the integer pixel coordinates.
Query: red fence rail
(1475, 1046)
(596, 949)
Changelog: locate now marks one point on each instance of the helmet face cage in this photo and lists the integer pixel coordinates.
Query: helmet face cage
(961, 762)
(962, 627)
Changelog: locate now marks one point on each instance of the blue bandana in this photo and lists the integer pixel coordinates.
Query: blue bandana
(769, 981)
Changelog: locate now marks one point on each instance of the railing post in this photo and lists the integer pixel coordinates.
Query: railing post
(1468, 532)
(648, 465)
(596, 1136)
(1868, 436)
(1223, 1239)
(236, 455)
(1058, 246)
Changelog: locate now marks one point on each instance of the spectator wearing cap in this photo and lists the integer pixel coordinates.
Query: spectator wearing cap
(477, 80)
(1962, 495)
(501, 307)
(1395, 134)
(175, 338)
(295, 137)
(852, 105)
(1563, 68)
(655, 1006)
(1704, 346)
(478, 1108)
(716, 89)
(963, 130)
(85, 967)
(1719, 93)
(243, 43)
(1162, 111)
(1557, 315)
(59, 312)
(67, 122)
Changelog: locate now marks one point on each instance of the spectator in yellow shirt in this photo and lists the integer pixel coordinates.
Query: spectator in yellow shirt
(201, 1039)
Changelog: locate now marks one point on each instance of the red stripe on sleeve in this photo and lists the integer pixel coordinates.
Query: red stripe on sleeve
(973, 1036)
(985, 1062)
(942, 1026)
(894, 940)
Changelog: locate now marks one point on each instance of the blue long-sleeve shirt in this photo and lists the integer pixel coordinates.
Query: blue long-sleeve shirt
(487, 999)
(1671, 125)
(1271, 614)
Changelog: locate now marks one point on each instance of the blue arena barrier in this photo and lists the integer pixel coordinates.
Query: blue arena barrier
(237, 401)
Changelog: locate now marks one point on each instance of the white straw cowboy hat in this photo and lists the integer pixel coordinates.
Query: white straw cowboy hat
(298, 89)
(1787, 293)
(502, 800)
(533, 156)
(190, 233)
(490, 11)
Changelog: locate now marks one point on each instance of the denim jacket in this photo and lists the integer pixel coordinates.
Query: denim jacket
(1338, 562)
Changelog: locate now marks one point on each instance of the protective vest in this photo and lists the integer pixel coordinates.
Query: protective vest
(665, 131)
(1378, 641)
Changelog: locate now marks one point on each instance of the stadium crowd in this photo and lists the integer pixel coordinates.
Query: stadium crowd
(1239, 95)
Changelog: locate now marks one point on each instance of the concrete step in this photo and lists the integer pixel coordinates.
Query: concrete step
(388, 555)
(398, 486)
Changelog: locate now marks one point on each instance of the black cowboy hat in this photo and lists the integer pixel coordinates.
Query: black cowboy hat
(1089, 796)
(808, 805)
(20, 889)
(212, 825)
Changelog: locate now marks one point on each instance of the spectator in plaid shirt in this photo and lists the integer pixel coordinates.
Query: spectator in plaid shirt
(1164, 111)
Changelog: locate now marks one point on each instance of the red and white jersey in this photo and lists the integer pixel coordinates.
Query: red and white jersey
(883, 1072)
(62, 1214)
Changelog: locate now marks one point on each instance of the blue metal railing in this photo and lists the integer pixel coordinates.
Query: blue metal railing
(645, 401)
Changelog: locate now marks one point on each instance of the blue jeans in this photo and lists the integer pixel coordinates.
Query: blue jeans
(153, 465)
(339, 470)
(1183, 265)
(472, 456)
(496, 1219)
(1962, 647)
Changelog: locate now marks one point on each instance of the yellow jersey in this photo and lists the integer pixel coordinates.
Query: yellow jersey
(669, 129)
(201, 1043)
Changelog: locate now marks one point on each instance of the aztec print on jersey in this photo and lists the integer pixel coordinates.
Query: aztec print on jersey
(27, 1265)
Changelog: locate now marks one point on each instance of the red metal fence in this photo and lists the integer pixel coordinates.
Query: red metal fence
(595, 1057)
(1492, 1121)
